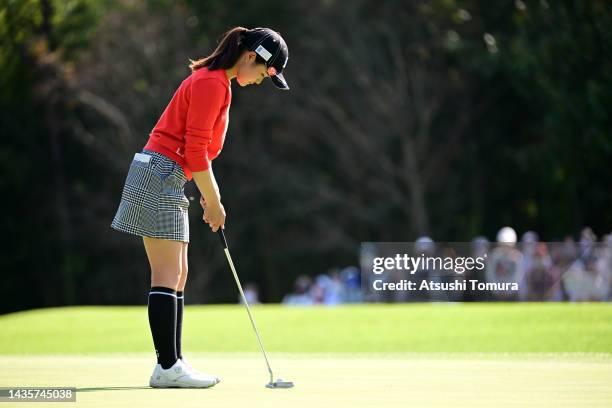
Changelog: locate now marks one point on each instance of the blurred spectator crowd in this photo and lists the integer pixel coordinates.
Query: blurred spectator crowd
(339, 286)
(571, 270)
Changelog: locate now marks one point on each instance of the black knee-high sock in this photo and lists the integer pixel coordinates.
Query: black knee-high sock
(180, 302)
(162, 319)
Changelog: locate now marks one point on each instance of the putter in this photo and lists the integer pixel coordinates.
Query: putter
(272, 384)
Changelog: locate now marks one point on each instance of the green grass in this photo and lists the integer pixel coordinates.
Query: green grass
(335, 381)
(418, 355)
(399, 328)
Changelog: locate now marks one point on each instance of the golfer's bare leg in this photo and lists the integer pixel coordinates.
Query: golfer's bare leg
(165, 259)
(184, 268)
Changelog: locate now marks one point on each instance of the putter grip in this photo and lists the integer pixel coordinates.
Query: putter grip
(222, 237)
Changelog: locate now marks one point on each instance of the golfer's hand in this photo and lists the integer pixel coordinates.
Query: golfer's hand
(214, 216)
(202, 202)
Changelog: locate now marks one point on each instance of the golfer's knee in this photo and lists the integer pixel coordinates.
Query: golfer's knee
(168, 278)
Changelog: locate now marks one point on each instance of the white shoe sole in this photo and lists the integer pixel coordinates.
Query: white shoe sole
(178, 385)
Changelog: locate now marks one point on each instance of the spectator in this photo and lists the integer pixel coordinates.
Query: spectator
(539, 279)
(606, 263)
(479, 249)
(251, 293)
(352, 284)
(503, 266)
(583, 282)
(427, 247)
(529, 240)
(301, 295)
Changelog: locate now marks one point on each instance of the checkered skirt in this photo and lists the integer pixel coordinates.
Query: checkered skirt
(153, 202)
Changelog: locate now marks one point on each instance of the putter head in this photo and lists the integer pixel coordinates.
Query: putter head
(280, 384)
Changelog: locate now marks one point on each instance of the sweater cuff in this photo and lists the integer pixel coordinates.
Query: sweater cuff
(198, 165)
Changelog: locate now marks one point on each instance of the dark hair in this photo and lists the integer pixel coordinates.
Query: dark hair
(228, 51)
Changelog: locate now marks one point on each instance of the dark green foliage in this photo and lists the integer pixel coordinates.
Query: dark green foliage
(447, 118)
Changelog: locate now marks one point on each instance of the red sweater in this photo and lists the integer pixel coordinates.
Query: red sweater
(191, 131)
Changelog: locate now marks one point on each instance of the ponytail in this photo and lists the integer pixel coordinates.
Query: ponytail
(226, 54)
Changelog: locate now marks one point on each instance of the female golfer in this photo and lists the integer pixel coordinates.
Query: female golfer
(187, 137)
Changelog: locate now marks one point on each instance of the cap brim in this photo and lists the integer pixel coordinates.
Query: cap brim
(279, 81)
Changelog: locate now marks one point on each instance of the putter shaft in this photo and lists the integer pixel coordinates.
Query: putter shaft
(244, 300)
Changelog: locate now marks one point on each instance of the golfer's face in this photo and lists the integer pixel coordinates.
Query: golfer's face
(249, 72)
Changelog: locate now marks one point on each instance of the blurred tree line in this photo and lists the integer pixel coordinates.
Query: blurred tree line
(447, 118)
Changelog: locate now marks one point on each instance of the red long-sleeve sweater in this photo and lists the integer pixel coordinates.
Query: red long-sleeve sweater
(192, 129)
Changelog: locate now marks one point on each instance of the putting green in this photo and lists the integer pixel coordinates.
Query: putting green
(401, 355)
(336, 381)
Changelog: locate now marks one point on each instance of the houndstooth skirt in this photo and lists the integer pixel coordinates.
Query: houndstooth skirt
(153, 202)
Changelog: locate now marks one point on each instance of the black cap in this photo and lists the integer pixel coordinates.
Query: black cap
(272, 48)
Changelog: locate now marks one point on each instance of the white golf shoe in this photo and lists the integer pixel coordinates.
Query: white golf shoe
(190, 368)
(179, 376)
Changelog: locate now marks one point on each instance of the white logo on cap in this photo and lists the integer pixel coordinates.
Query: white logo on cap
(265, 54)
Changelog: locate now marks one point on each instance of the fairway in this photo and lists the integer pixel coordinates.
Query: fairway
(374, 328)
(417, 355)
